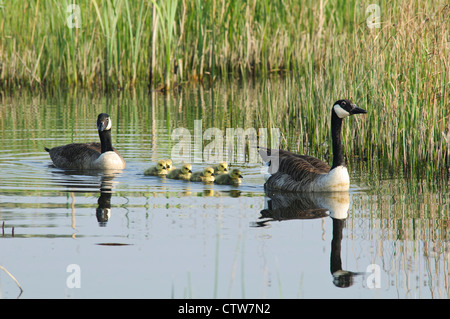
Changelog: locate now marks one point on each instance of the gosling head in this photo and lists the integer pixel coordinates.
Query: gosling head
(186, 169)
(236, 174)
(103, 122)
(222, 167)
(168, 164)
(208, 171)
(345, 108)
(161, 168)
(161, 165)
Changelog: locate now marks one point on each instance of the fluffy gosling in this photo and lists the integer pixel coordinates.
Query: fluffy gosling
(233, 178)
(221, 168)
(169, 165)
(160, 169)
(183, 173)
(205, 176)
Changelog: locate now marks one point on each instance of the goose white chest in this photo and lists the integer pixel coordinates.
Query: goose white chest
(109, 160)
(335, 181)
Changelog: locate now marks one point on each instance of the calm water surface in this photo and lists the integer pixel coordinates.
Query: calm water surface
(133, 236)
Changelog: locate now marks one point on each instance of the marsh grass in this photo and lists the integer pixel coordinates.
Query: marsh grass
(127, 44)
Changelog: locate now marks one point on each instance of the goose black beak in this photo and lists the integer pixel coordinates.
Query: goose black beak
(212, 174)
(358, 110)
(190, 171)
(240, 176)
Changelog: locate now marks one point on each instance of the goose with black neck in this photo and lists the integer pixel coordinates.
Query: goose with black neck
(90, 156)
(304, 173)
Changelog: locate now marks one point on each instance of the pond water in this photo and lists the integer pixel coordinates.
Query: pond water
(68, 234)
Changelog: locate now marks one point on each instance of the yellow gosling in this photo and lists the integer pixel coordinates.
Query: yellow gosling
(183, 173)
(169, 165)
(233, 178)
(205, 176)
(159, 169)
(221, 168)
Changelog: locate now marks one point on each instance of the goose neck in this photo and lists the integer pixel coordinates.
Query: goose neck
(105, 140)
(338, 154)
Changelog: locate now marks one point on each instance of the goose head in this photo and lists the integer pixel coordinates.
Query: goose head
(103, 122)
(345, 108)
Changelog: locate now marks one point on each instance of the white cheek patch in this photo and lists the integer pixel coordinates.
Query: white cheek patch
(340, 112)
(109, 124)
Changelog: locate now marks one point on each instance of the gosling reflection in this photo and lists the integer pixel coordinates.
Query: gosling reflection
(289, 206)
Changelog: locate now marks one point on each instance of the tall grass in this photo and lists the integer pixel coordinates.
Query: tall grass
(121, 43)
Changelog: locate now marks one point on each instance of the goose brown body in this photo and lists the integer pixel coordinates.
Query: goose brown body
(84, 156)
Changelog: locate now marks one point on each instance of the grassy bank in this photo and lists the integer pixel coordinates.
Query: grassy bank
(127, 44)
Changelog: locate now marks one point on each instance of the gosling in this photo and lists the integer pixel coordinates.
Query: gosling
(169, 165)
(183, 173)
(205, 176)
(221, 168)
(233, 178)
(160, 169)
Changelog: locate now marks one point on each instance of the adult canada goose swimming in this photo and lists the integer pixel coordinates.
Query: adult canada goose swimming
(205, 176)
(160, 169)
(221, 168)
(232, 178)
(302, 173)
(181, 173)
(85, 156)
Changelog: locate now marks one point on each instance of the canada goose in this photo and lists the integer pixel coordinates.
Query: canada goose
(205, 176)
(181, 173)
(302, 173)
(233, 178)
(86, 156)
(160, 169)
(221, 168)
(169, 165)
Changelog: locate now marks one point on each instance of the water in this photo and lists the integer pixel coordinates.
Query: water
(77, 235)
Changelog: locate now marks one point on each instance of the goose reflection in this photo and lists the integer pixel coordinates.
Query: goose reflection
(103, 211)
(289, 206)
(82, 181)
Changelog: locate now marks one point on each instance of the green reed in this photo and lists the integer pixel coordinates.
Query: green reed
(127, 44)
